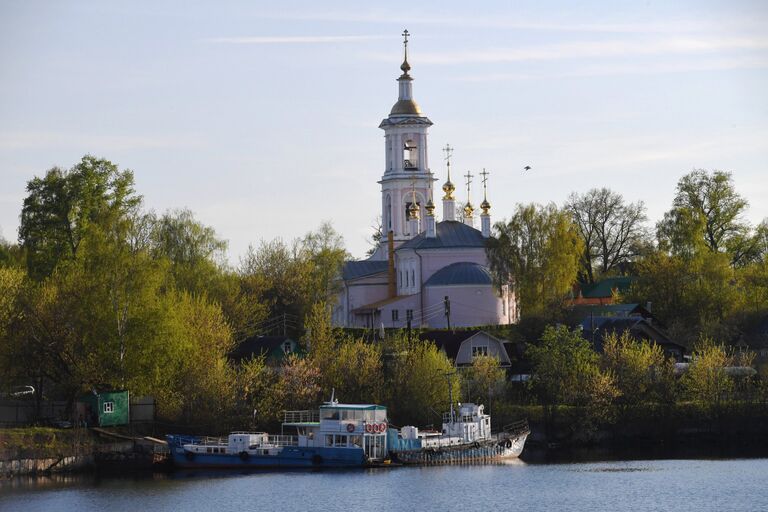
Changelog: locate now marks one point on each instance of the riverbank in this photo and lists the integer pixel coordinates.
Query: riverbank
(41, 450)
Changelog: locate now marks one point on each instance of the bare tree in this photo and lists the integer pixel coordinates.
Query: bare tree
(613, 231)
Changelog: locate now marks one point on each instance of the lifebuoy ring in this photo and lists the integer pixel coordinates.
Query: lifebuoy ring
(383, 427)
(369, 427)
(350, 427)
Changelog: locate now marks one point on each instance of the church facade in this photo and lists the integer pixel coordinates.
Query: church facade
(424, 272)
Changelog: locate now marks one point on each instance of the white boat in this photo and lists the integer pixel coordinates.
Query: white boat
(466, 437)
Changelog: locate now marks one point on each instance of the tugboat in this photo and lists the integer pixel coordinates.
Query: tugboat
(336, 435)
(465, 438)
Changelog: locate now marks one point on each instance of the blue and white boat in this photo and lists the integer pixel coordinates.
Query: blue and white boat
(336, 435)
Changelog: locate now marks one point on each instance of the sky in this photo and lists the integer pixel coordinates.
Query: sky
(262, 117)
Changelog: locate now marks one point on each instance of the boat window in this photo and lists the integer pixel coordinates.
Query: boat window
(208, 450)
(330, 414)
(340, 440)
(380, 415)
(347, 414)
(329, 440)
(356, 441)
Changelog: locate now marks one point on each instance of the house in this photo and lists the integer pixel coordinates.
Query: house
(595, 328)
(601, 292)
(275, 348)
(462, 346)
(103, 409)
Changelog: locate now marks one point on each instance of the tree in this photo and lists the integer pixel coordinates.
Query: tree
(418, 380)
(642, 373)
(539, 249)
(376, 237)
(485, 378)
(566, 372)
(197, 264)
(689, 295)
(612, 231)
(61, 207)
(707, 212)
(706, 380)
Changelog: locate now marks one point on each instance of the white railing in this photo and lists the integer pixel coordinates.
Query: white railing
(281, 440)
(301, 416)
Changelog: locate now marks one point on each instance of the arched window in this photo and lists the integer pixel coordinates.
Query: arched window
(413, 278)
(410, 155)
(388, 214)
(400, 279)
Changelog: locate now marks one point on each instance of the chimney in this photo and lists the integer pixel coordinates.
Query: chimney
(391, 284)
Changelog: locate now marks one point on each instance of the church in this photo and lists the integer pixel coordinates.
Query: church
(424, 273)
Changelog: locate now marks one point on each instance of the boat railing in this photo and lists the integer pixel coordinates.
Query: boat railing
(301, 416)
(515, 428)
(282, 440)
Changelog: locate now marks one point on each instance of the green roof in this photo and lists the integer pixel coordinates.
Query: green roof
(605, 287)
(363, 407)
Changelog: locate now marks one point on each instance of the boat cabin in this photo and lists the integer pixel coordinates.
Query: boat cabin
(337, 425)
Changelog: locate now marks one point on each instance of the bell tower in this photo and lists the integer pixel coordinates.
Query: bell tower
(407, 178)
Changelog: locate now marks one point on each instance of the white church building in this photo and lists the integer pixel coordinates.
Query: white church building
(434, 274)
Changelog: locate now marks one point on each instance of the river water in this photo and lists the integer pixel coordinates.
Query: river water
(646, 485)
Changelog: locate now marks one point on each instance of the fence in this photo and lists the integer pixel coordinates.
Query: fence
(15, 413)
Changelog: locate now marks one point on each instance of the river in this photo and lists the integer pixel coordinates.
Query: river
(638, 485)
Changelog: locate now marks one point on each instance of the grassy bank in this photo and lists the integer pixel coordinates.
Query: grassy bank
(44, 442)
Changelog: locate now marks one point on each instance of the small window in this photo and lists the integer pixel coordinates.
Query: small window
(287, 347)
(409, 314)
(395, 315)
(329, 440)
(481, 350)
(413, 278)
(109, 407)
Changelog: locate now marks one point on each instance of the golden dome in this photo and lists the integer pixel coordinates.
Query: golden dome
(430, 207)
(405, 107)
(485, 206)
(468, 209)
(414, 211)
(448, 188)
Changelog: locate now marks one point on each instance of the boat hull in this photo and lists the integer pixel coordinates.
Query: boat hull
(472, 453)
(287, 457)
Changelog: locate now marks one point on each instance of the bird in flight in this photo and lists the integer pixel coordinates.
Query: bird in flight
(527, 168)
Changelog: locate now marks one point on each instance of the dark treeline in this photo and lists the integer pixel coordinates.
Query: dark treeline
(99, 293)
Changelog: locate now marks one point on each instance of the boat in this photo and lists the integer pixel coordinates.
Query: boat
(335, 435)
(466, 437)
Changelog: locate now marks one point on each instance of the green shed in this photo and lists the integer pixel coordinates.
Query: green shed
(105, 409)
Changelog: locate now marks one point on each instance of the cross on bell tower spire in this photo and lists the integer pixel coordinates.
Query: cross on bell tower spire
(405, 66)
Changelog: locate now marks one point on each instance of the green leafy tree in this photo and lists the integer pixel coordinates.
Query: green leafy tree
(690, 295)
(641, 371)
(197, 265)
(707, 212)
(485, 378)
(539, 249)
(566, 372)
(706, 380)
(418, 380)
(612, 231)
(61, 207)
(256, 384)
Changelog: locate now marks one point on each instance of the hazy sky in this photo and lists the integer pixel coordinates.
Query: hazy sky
(262, 117)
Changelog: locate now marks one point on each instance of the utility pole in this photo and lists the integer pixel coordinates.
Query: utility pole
(447, 304)
(408, 318)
